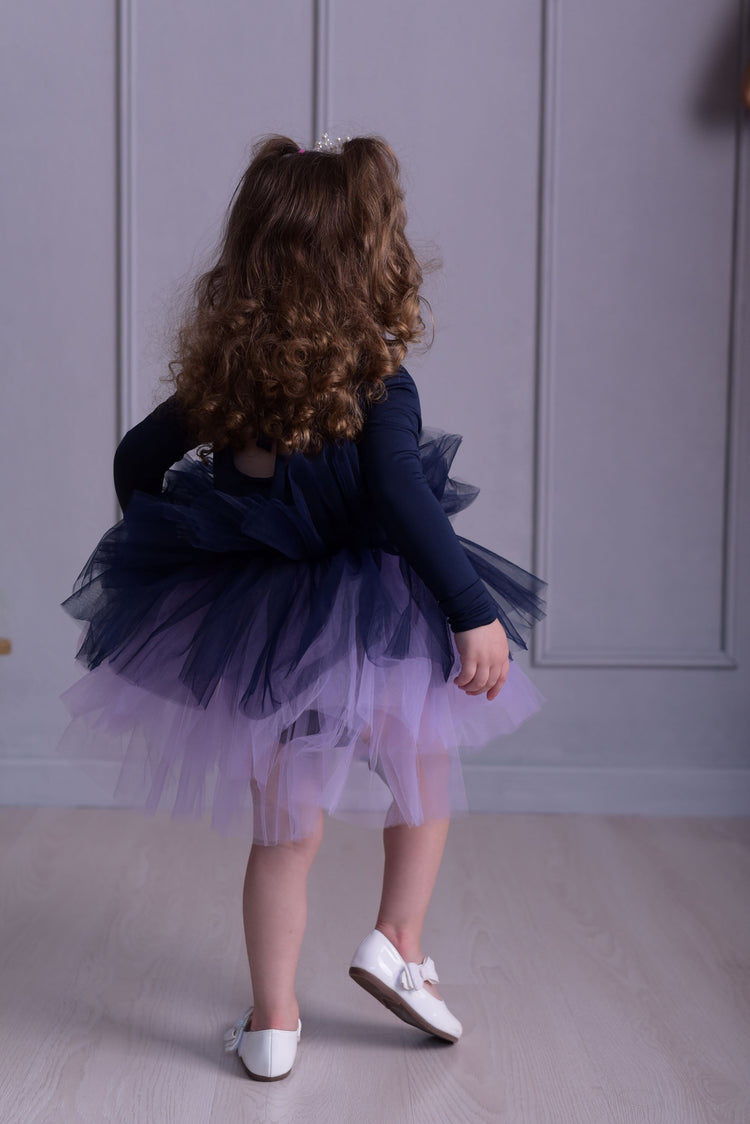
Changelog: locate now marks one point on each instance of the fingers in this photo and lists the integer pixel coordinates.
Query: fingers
(495, 691)
(466, 674)
(485, 659)
(475, 678)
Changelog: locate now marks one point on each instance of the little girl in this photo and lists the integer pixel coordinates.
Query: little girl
(287, 623)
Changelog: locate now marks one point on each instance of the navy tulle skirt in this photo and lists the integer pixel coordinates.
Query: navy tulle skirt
(238, 663)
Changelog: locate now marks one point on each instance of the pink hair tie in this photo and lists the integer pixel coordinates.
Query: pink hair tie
(301, 150)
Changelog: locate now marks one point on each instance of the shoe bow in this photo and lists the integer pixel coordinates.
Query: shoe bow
(233, 1036)
(415, 975)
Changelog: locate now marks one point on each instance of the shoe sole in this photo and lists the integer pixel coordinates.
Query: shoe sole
(393, 1001)
(260, 1077)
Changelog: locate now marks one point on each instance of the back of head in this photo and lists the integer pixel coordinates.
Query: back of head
(313, 300)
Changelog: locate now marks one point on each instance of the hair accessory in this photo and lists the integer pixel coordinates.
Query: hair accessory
(327, 144)
(300, 150)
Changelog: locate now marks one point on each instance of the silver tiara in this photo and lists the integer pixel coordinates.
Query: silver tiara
(327, 144)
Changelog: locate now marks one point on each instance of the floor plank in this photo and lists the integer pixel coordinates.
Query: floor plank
(600, 966)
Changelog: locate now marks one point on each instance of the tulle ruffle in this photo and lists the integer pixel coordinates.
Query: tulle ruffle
(245, 659)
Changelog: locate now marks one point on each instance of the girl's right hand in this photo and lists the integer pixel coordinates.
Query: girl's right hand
(485, 659)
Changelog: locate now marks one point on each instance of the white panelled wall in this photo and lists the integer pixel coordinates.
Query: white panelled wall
(582, 169)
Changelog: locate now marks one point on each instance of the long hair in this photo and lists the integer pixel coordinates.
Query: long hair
(312, 302)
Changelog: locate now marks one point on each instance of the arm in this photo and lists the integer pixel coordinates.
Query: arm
(409, 511)
(148, 450)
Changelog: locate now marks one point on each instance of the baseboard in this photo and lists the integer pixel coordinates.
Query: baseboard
(608, 791)
(38, 782)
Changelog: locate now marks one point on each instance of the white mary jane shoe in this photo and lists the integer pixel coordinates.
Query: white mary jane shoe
(379, 968)
(267, 1055)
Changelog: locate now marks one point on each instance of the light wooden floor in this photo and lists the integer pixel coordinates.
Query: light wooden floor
(600, 966)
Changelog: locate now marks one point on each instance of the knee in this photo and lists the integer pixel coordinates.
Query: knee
(308, 844)
(301, 850)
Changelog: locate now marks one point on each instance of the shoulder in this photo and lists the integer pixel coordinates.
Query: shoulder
(401, 392)
(401, 379)
(164, 427)
(398, 410)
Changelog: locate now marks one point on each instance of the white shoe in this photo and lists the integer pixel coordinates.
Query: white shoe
(379, 968)
(267, 1055)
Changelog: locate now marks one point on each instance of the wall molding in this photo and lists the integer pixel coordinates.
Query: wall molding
(490, 788)
(672, 659)
(125, 329)
(544, 653)
(125, 179)
(322, 75)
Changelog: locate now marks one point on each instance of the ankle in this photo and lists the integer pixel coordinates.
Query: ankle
(406, 941)
(276, 1017)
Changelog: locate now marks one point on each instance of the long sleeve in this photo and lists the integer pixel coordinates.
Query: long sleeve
(148, 450)
(409, 511)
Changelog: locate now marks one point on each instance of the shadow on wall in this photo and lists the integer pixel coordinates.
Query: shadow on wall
(716, 97)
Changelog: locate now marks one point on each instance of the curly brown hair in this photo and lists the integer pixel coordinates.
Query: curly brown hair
(312, 302)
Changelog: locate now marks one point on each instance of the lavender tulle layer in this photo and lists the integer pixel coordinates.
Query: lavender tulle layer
(233, 670)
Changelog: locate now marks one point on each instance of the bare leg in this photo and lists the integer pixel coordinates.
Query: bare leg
(412, 861)
(274, 903)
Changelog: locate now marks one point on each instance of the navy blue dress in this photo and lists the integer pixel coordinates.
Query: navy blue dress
(269, 647)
